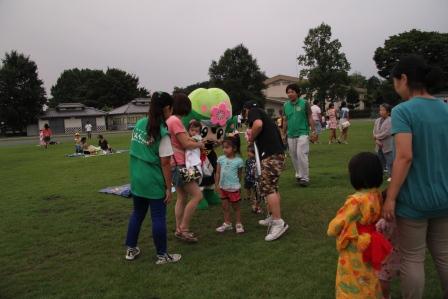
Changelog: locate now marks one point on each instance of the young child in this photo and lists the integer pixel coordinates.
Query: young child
(249, 180)
(361, 248)
(332, 123)
(390, 268)
(382, 134)
(193, 156)
(228, 177)
(78, 147)
(104, 145)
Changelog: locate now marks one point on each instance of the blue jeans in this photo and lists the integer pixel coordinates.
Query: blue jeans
(386, 160)
(158, 218)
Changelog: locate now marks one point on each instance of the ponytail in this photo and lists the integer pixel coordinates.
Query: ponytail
(159, 100)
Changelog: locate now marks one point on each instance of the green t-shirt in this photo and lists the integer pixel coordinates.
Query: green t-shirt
(145, 170)
(424, 193)
(297, 118)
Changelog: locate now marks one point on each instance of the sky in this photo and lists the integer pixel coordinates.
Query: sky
(169, 43)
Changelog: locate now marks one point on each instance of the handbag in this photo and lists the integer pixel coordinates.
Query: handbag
(188, 174)
(345, 125)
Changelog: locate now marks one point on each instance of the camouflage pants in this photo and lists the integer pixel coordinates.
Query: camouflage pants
(271, 168)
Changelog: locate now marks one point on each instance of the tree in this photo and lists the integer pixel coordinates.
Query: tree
(325, 66)
(357, 80)
(188, 89)
(352, 96)
(96, 88)
(22, 94)
(433, 46)
(239, 75)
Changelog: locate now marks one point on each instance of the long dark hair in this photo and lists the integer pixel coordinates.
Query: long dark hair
(420, 74)
(159, 100)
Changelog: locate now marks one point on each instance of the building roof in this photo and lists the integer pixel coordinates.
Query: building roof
(71, 110)
(276, 100)
(281, 77)
(136, 106)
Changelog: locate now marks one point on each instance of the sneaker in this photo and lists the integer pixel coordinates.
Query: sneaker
(224, 227)
(303, 183)
(168, 258)
(239, 228)
(265, 222)
(132, 253)
(276, 229)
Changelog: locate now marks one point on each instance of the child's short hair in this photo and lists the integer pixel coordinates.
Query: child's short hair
(194, 124)
(234, 141)
(365, 171)
(386, 107)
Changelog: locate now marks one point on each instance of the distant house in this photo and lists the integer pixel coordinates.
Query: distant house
(125, 117)
(275, 93)
(68, 118)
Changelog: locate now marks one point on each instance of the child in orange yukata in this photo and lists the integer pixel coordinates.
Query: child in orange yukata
(361, 248)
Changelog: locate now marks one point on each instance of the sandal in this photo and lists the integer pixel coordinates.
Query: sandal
(186, 236)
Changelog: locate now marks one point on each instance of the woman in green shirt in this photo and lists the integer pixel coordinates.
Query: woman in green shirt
(150, 173)
(418, 192)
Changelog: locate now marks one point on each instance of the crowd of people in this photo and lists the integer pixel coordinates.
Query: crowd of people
(379, 233)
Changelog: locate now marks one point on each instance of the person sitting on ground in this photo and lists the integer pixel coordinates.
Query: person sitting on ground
(88, 149)
(103, 144)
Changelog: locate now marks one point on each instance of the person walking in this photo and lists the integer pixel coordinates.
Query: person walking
(418, 192)
(316, 113)
(263, 132)
(344, 123)
(297, 123)
(150, 155)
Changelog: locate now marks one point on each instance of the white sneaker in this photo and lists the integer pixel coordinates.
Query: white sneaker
(239, 228)
(168, 258)
(265, 222)
(277, 228)
(224, 227)
(132, 253)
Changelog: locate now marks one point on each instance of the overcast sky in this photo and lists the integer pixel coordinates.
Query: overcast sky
(169, 43)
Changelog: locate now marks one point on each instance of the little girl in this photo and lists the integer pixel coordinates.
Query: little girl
(332, 123)
(249, 180)
(390, 268)
(228, 177)
(361, 248)
(193, 156)
(78, 147)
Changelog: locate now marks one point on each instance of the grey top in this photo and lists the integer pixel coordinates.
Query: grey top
(382, 132)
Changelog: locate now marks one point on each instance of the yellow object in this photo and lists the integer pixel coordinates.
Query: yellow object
(354, 278)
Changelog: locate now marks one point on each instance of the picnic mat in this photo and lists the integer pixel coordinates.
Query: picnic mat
(81, 155)
(124, 190)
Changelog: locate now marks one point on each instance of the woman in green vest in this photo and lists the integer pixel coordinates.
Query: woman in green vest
(150, 173)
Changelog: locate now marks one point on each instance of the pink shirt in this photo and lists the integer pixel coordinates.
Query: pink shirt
(175, 127)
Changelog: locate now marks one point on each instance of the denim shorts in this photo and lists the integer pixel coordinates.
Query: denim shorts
(176, 177)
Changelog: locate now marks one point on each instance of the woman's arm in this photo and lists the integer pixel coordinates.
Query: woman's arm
(257, 126)
(402, 163)
(165, 163)
(187, 143)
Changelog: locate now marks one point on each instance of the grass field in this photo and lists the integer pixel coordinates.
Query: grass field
(60, 238)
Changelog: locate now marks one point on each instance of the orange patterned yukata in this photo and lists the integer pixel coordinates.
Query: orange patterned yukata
(357, 241)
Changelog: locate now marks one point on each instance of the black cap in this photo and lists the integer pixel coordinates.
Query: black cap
(250, 104)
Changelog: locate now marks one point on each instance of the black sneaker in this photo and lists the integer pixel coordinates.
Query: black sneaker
(132, 253)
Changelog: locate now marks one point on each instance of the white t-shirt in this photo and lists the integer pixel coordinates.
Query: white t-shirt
(193, 156)
(165, 148)
(315, 111)
(88, 128)
(240, 117)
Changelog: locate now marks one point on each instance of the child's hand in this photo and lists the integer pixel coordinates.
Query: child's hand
(381, 225)
(389, 209)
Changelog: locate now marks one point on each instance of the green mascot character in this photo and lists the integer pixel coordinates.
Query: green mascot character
(213, 109)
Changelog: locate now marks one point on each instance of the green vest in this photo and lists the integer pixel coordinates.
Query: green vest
(145, 170)
(297, 117)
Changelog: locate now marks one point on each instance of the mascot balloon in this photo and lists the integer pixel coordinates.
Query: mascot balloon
(213, 109)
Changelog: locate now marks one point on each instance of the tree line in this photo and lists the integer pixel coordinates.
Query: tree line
(323, 74)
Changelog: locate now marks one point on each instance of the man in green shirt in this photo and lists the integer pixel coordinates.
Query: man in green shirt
(297, 123)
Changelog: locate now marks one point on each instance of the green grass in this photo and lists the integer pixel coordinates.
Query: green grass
(60, 238)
